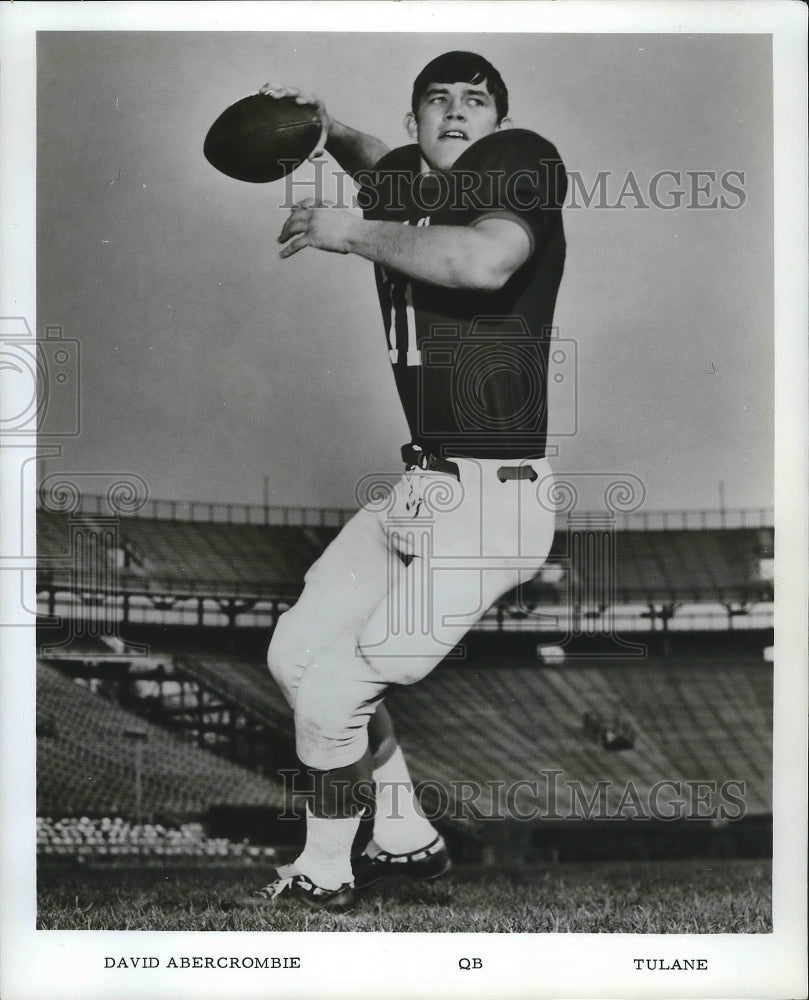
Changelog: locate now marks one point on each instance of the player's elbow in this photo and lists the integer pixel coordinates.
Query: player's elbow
(488, 275)
(499, 249)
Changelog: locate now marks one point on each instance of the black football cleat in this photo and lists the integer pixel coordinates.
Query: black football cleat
(424, 865)
(291, 885)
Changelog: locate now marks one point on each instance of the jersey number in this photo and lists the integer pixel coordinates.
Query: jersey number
(401, 315)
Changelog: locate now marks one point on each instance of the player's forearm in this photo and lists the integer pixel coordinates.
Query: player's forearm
(353, 150)
(453, 257)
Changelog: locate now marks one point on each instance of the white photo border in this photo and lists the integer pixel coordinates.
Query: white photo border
(67, 964)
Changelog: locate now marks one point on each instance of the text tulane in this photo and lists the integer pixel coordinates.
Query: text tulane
(671, 965)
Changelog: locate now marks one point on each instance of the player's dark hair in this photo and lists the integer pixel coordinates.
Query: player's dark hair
(462, 67)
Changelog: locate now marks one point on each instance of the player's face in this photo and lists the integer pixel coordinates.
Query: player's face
(449, 118)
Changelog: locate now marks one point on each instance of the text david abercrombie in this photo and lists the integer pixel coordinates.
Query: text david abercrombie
(202, 962)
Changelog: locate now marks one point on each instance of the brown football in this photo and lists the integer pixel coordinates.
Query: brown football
(262, 138)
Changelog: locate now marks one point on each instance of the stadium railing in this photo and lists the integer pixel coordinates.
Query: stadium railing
(214, 562)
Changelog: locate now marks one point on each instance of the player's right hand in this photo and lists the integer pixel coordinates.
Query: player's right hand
(278, 90)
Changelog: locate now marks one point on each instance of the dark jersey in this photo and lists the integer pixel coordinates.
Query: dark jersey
(471, 366)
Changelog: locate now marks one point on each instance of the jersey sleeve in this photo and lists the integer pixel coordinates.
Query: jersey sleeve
(515, 175)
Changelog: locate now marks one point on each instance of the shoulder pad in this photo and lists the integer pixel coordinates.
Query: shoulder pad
(402, 158)
(507, 148)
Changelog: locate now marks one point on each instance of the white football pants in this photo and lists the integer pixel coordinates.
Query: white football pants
(406, 577)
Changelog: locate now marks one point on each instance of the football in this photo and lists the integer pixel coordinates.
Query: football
(262, 138)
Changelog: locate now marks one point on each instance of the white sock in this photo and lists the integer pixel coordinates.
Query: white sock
(326, 858)
(399, 826)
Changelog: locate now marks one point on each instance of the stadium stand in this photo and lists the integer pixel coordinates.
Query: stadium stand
(709, 564)
(115, 837)
(245, 682)
(503, 720)
(697, 708)
(274, 555)
(85, 766)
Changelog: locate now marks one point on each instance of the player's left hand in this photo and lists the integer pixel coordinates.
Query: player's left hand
(314, 224)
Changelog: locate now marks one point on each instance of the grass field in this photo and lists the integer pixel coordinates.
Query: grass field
(710, 896)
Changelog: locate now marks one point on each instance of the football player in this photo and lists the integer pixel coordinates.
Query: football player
(464, 229)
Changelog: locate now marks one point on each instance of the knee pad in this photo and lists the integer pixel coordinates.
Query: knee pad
(287, 655)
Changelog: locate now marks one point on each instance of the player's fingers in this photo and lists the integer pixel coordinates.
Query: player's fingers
(295, 246)
(291, 229)
(285, 233)
(297, 222)
(278, 90)
(306, 203)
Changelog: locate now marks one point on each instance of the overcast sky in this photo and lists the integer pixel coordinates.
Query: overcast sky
(208, 363)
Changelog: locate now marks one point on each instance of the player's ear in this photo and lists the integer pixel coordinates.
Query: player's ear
(411, 125)
(505, 123)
